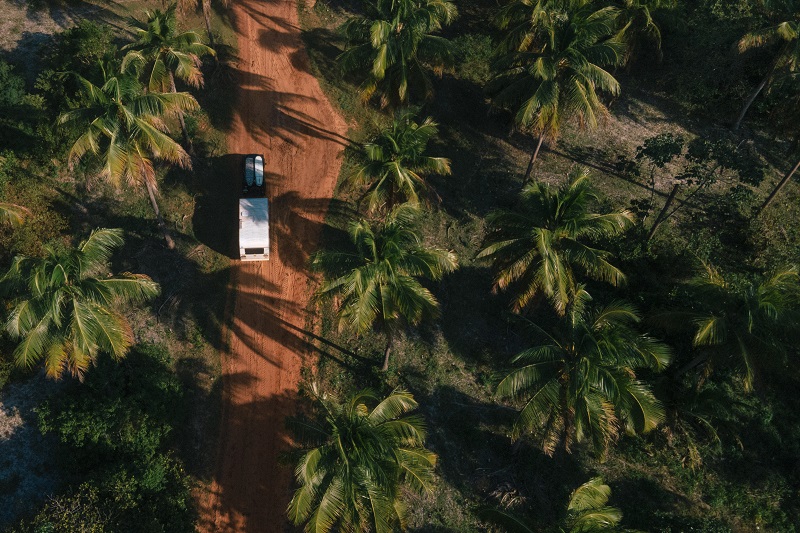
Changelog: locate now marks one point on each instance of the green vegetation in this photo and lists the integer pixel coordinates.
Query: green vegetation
(674, 387)
(365, 449)
(394, 163)
(127, 328)
(581, 384)
(535, 248)
(64, 306)
(377, 278)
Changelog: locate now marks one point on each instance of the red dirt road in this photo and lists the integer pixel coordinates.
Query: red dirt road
(283, 114)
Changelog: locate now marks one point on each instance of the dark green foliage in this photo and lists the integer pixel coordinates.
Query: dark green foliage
(392, 46)
(114, 433)
(357, 455)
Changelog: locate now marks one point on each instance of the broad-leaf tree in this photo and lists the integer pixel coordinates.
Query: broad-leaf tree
(580, 384)
(376, 281)
(394, 164)
(744, 326)
(392, 45)
(66, 307)
(553, 70)
(537, 247)
(357, 457)
(124, 128)
(165, 54)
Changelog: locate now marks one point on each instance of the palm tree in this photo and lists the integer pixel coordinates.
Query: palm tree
(358, 455)
(167, 54)
(639, 28)
(743, 326)
(581, 383)
(377, 280)
(394, 163)
(587, 512)
(536, 247)
(787, 34)
(393, 44)
(553, 71)
(12, 214)
(66, 307)
(124, 127)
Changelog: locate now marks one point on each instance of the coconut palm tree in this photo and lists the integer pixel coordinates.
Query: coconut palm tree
(639, 28)
(124, 127)
(167, 54)
(394, 164)
(12, 214)
(393, 43)
(205, 6)
(786, 34)
(581, 383)
(66, 306)
(553, 71)
(743, 326)
(536, 247)
(376, 281)
(358, 455)
(587, 512)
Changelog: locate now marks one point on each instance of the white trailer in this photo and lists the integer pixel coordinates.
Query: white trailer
(253, 229)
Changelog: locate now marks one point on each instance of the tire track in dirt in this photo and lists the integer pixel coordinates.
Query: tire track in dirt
(282, 113)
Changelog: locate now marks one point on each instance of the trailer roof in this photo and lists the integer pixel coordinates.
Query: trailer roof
(254, 216)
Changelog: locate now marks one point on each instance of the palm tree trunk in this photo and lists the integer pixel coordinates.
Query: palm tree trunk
(533, 158)
(389, 339)
(778, 188)
(754, 94)
(186, 140)
(207, 17)
(161, 225)
(661, 218)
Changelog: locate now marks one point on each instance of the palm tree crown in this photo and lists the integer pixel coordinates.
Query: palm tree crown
(65, 312)
(552, 68)
(393, 42)
(125, 128)
(581, 384)
(746, 325)
(12, 214)
(394, 163)
(377, 279)
(168, 54)
(535, 247)
(588, 510)
(787, 33)
(358, 455)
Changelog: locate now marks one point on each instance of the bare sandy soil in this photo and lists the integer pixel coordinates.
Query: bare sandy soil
(283, 114)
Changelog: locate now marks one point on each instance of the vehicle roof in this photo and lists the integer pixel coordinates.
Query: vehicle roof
(254, 214)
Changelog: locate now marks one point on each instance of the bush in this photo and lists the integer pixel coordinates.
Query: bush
(114, 434)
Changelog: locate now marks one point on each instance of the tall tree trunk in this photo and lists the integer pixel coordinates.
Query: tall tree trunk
(161, 225)
(754, 94)
(778, 188)
(186, 140)
(661, 215)
(207, 17)
(533, 158)
(389, 340)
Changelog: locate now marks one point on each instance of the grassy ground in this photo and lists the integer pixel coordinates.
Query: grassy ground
(452, 366)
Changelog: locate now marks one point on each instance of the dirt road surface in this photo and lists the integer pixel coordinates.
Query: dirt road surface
(283, 114)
